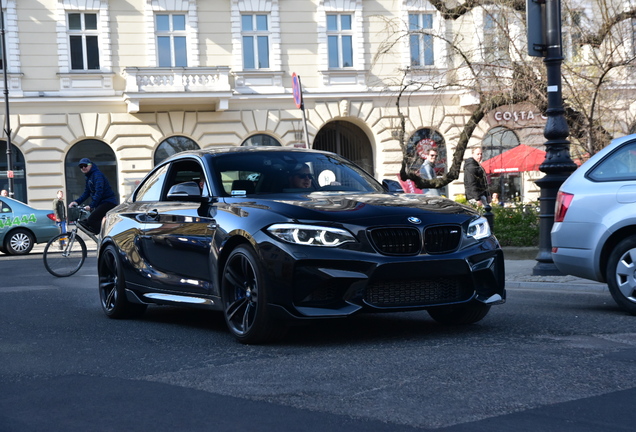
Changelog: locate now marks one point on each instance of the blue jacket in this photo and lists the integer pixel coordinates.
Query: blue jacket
(98, 188)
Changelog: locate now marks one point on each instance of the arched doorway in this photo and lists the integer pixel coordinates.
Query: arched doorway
(348, 140)
(101, 155)
(19, 172)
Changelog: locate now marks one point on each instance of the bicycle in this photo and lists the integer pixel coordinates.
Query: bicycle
(65, 253)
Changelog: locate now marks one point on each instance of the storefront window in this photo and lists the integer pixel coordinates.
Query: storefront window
(422, 140)
(506, 185)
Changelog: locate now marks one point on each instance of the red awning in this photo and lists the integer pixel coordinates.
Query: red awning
(518, 159)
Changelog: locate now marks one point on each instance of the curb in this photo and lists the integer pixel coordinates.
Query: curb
(560, 286)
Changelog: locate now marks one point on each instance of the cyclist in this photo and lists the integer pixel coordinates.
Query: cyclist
(99, 190)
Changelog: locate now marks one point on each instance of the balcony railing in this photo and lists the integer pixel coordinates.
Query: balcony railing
(159, 86)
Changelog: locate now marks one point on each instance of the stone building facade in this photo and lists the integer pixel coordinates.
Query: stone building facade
(128, 82)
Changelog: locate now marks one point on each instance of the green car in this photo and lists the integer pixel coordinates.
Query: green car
(22, 226)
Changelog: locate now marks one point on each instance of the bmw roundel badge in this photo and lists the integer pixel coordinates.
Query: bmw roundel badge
(414, 220)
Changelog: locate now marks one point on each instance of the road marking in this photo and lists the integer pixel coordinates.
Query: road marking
(26, 288)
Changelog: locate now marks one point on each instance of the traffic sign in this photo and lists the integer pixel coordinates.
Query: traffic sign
(297, 90)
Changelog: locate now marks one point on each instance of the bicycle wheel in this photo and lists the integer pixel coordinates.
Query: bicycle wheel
(64, 254)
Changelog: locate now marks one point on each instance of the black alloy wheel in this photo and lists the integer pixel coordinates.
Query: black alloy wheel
(244, 296)
(112, 287)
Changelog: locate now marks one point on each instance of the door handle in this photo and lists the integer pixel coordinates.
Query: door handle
(153, 213)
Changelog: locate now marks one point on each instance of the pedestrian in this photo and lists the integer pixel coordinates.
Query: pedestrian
(59, 208)
(475, 182)
(495, 199)
(4, 193)
(99, 190)
(427, 171)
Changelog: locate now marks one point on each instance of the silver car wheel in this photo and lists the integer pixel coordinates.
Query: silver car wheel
(621, 274)
(20, 242)
(626, 275)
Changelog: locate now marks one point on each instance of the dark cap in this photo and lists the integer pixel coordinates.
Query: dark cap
(84, 161)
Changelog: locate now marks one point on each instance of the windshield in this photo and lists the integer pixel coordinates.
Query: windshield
(289, 172)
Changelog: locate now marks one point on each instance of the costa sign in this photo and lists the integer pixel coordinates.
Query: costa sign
(517, 116)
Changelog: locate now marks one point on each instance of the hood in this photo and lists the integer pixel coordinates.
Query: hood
(380, 209)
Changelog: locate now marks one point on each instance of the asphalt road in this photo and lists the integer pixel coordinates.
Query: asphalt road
(547, 360)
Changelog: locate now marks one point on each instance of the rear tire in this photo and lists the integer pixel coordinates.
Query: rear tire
(112, 287)
(461, 314)
(66, 261)
(19, 242)
(621, 276)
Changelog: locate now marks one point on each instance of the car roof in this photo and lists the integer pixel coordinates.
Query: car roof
(215, 151)
(13, 201)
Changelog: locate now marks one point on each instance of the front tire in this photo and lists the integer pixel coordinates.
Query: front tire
(244, 295)
(461, 314)
(112, 287)
(19, 242)
(621, 274)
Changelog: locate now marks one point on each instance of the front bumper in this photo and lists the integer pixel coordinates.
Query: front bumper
(340, 286)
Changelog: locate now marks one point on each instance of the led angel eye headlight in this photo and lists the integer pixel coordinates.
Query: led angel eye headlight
(311, 235)
(479, 229)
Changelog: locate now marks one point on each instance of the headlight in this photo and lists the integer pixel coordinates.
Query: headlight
(479, 228)
(311, 235)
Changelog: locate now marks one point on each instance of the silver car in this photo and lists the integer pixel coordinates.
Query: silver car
(594, 232)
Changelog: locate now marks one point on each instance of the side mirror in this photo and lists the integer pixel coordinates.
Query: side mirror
(392, 186)
(187, 191)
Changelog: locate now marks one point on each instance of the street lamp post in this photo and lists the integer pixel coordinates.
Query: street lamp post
(7, 122)
(557, 166)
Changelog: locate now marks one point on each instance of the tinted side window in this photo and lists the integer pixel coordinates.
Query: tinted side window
(4, 207)
(187, 170)
(150, 189)
(619, 165)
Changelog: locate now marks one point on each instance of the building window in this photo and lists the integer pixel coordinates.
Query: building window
(173, 145)
(421, 40)
(572, 34)
(340, 40)
(261, 140)
(498, 140)
(171, 40)
(255, 33)
(83, 41)
(496, 40)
